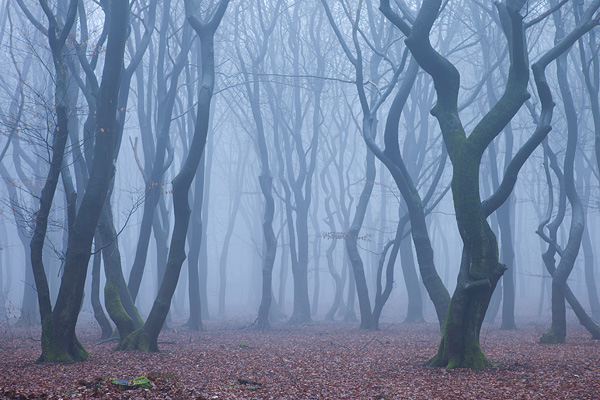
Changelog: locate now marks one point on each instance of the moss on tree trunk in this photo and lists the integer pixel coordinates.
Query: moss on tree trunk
(138, 340)
(69, 351)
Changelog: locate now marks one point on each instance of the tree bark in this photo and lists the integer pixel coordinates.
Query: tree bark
(160, 162)
(59, 342)
(99, 314)
(146, 338)
(480, 268)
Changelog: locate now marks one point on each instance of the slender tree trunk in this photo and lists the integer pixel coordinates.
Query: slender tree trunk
(338, 288)
(160, 163)
(115, 295)
(381, 296)
(558, 330)
(590, 280)
(195, 242)
(265, 181)
(203, 260)
(301, 312)
(358, 282)
(225, 249)
(99, 314)
(146, 337)
(59, 342)
(414, 312)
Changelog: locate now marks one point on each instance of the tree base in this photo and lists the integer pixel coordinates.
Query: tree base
(196, 326)
(350, 316)
(297, 319)
(551, 337)
(138, 340)
(472, 357)
(262, 324)
(52, 352)
(512, 327)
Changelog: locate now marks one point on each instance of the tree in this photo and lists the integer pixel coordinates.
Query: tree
(557, 332)
(393, 161)
(252, 86)
(158, 163)
(146, 337)
(480, 268)
(59, 342)
(57, 36)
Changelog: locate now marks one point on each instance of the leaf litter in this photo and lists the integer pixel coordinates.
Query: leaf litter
(316, 361)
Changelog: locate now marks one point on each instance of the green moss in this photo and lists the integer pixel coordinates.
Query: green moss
(115, 309)
(474, 357)
(454, 362)
(80, 353)
(551, 337)
(137, 340)
(52, 352)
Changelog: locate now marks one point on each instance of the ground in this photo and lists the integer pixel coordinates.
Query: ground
(316, 361)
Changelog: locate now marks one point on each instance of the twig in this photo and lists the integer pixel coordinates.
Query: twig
(288, 371)
(366, 344)
(137, 159)
(249, 326)
(544, 15)
(111, 339)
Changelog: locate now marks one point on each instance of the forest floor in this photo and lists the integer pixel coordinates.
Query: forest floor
(315, 361)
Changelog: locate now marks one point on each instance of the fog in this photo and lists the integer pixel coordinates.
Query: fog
(337, 181)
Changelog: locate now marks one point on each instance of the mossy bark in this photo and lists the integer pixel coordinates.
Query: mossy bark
(59, 342)
(96, 304)
(553, 337)
(118, 301)
(115, 308)
(61, 350)
(459, 347)
(138, 340)
(480, 268)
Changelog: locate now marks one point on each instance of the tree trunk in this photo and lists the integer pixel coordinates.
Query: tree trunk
(225, 249)
(392, 159)
(59, 342)
(116, 296)
(301, 311)
(265, 181)
(338, 289)
(160, 163)
(415, 305)
(480, 268)
(146, 337)
(358, 282)
(590, 280)
(558, 330)
(96, 304)
(195, 242)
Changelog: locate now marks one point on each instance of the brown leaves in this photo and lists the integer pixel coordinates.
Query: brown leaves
(323, 361)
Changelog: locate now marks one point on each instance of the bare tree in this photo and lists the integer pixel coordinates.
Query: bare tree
(146, 337)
